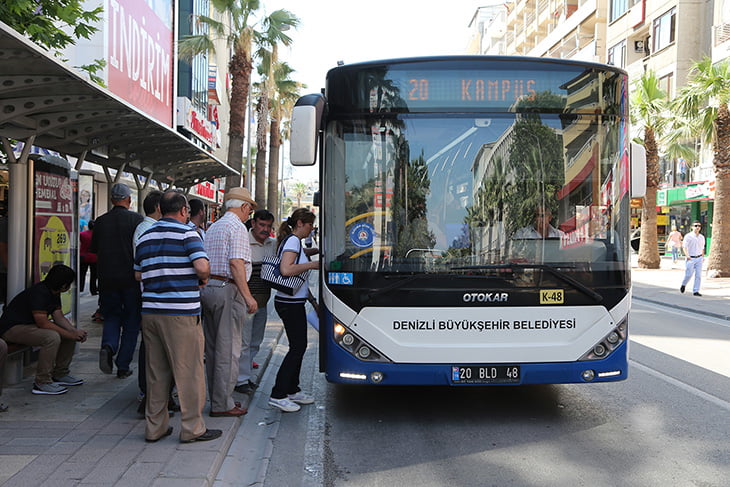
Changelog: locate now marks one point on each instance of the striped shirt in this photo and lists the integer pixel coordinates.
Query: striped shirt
(258, 251)
(227, 239)
(165, 255)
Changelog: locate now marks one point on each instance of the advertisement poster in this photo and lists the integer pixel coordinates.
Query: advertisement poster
(140, 55)
(52, 223)
(86, 200)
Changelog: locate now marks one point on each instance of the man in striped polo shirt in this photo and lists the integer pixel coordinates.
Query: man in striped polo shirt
(172, 264)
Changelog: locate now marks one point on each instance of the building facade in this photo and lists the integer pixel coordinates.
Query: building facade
(665, 36)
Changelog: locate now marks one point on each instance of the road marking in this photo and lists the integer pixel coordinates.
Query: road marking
(686, 387)
(684, 312)
(708, 353)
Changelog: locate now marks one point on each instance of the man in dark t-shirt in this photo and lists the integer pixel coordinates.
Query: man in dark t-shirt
(25, 321)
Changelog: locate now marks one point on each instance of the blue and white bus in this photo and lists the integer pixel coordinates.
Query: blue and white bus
(433, 175)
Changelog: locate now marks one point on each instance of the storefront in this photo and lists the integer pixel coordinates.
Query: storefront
(50, 108)
(686, 203)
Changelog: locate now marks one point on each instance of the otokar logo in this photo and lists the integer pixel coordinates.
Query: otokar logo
(486, 297)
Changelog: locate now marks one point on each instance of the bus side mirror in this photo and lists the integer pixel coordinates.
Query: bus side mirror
(637, 187)
(305, 121)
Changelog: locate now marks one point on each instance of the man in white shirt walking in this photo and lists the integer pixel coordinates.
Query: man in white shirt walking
(693, 247)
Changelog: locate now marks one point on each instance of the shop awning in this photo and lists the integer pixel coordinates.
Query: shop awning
(41, 97)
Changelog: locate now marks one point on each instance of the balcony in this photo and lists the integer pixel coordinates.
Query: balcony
(721, 33)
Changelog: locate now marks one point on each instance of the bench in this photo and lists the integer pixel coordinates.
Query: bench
(18, 357)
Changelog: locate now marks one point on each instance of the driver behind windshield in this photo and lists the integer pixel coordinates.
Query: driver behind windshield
(541, 227)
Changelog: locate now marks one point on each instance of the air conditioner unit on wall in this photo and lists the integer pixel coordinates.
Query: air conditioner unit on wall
(639, 46)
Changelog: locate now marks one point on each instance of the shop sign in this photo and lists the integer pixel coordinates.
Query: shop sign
(140, 55)
(205, 190)
(194, 122)
(699, 191)
(661, 197)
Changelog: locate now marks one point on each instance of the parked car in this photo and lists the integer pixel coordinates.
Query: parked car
(635, 240)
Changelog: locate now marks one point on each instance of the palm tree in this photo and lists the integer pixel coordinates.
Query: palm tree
(282, 103)
(299, 190)
(262, 122)
(705, 99)
(271, 38)
(240, 33)
(649, 109)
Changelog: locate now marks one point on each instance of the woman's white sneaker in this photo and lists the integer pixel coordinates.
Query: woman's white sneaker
(301, 398)
(284, 404)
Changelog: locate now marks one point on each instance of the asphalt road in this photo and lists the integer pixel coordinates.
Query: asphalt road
(666, 425)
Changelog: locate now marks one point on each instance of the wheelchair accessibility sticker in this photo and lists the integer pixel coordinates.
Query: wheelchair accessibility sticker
(342, 278)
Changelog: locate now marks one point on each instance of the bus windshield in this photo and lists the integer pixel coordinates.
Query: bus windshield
(459, 192)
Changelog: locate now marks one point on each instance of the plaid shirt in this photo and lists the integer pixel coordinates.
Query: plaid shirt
(227, 239)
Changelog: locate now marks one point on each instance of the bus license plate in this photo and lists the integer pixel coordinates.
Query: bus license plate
(485, 374)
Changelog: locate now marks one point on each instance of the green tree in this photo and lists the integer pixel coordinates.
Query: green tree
(54, 24)
(534, 173)
(299, 190)
(649, 110)
(240, 32)
(705, 99)
(282, 103)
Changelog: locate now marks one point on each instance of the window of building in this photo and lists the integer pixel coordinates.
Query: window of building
(665, 83)
(663, 30)
(620, 7)
(617, 55)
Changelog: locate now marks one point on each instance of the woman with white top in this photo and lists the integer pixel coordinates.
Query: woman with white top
(286, 394)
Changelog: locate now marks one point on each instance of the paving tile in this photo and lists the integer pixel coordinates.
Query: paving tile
(96, 448)
(190, 464)
(36, 471)
(12, 464)
(139, 474)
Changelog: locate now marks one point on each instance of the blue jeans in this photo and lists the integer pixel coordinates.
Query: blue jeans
(693, 266)
(675, 254)
(121, 311)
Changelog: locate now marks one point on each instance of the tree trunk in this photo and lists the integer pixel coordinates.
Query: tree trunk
(240, 69)
(648, 246)
(718, 263)
(262, 125)
(274, 151)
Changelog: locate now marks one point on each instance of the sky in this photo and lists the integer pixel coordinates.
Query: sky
(352, 31)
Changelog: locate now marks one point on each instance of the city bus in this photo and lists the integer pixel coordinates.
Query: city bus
(437, 177)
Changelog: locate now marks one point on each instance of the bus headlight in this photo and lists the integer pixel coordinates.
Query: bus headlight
(609, 343)
(363, 352)
(355, 345)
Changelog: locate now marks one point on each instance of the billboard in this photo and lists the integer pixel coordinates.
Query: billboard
(140, 55)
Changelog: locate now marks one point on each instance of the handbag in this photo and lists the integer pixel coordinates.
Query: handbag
(271, 273)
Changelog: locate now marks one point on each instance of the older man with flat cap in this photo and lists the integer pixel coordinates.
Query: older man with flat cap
(227, 300)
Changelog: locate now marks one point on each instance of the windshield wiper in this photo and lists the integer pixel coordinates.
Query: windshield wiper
(552, 270)
(402, 280)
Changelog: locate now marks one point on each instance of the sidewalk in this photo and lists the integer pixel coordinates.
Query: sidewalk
(92, 435)
(661, 286)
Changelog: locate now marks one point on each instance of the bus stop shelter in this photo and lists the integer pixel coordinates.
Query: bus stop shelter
(46, 104)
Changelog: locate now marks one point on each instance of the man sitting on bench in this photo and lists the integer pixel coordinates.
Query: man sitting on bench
(26, 321)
